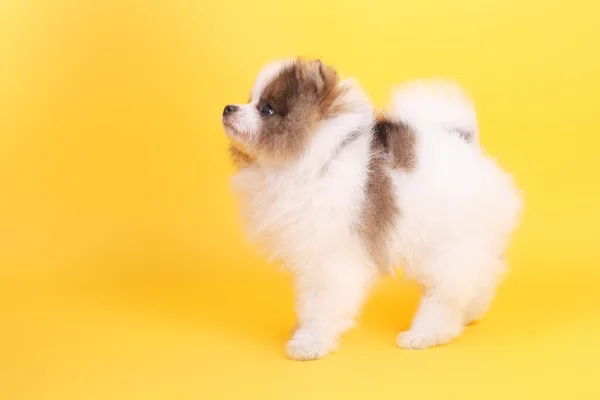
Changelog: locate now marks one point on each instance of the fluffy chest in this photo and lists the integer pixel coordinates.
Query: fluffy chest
(296, 211)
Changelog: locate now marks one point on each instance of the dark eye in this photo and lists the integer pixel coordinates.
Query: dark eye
(266, 110)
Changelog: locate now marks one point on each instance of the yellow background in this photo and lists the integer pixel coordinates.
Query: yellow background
(123, 272)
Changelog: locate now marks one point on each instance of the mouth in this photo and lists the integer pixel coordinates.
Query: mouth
(229, 127)
(226, 123)
(232, 132)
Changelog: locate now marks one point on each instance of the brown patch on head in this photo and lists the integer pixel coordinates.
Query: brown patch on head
(302, 95)
(393, 146)
(399, 141)
(240, 158)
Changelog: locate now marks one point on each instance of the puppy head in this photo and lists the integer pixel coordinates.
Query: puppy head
(287, 103)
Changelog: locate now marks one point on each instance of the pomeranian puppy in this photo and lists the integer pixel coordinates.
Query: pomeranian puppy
(340, 194)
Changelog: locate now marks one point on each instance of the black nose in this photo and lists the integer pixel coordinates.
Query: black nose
(230, 109)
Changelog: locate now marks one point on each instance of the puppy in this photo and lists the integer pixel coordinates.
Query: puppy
(340, 195)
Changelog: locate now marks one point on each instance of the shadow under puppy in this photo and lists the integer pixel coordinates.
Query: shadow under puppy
(340, 195)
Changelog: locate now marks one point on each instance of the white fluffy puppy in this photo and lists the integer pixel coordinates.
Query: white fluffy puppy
(340, 195)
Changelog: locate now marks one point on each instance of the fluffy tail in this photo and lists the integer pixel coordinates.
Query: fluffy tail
(436, 104)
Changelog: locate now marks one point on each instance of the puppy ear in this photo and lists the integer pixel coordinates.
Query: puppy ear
(318, 75)
(328, 77)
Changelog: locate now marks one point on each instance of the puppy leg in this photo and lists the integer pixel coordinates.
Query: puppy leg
(439, 320)
(477, 307)
(441, 314)
(329, 297)
(480, 303)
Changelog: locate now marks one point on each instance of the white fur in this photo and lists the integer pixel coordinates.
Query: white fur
(457, 212)
(435, 104)
(245, 124)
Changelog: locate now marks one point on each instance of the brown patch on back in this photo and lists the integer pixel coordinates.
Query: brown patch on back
(379, 209)
(302, 95)
(399, 142)
(393, 146)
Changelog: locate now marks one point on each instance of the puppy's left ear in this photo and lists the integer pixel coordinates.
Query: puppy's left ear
(325, 77)
(318, 75)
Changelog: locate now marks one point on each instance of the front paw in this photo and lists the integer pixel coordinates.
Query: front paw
(306, 344)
